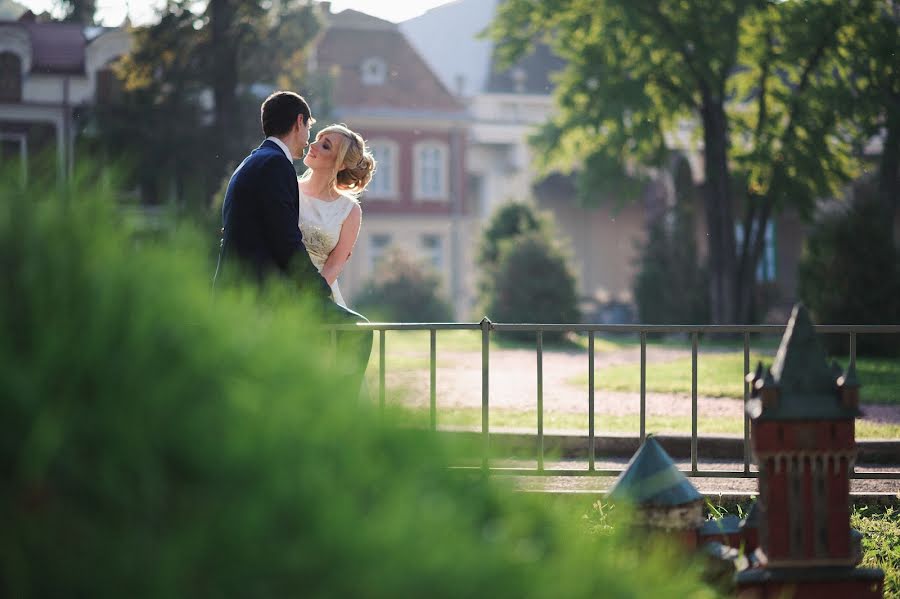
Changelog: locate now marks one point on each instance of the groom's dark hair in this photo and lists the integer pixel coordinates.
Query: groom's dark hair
(279, 112)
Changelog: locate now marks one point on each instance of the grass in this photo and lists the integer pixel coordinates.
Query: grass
(564, 421)
(881, 543)
(721, 375)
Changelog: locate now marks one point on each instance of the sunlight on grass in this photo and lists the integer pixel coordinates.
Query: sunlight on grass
(721, 375)
(577, 423)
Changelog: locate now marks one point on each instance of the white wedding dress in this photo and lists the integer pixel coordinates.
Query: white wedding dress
(320, 223)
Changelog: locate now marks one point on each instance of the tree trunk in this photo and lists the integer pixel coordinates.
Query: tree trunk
(224, 56)
(889, 170)
(719, 212)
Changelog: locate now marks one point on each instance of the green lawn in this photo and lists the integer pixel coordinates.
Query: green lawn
(555, 421)
(721, 375)
(880, 526)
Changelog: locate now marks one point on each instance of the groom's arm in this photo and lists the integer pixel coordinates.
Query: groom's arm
(280, 214)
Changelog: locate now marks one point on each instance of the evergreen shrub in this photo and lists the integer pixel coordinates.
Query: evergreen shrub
(403, 291)
(159, 442)
(849, 273)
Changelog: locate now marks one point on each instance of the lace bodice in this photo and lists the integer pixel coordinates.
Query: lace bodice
(320, 223)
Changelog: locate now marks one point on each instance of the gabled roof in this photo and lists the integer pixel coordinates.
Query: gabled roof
(56, 48)
(532, 74)
(652, 479)
(806, 384)
(352, 37)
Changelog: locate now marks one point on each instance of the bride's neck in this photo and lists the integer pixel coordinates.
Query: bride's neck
(319, 186)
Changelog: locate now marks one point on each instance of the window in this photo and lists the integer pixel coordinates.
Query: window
(374, 71)
(384, 182)
(10, 77)
(378, 244)
(433, 249)
(430, 178)
(765, 270)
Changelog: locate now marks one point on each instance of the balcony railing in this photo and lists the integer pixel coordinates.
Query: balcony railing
(591, 330)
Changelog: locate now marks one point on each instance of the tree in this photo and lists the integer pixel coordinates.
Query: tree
(79, 11)
(189, 84)
(868, 63)
(751, 73)
(670, 284)
(403, 291)
(525, 276)
(850, 271)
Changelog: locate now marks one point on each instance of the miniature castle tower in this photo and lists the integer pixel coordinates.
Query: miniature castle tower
(663, 497)
(803, 414)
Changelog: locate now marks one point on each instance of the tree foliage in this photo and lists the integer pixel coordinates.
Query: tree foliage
(670, 284)
(850, 272)
(753, 78)
(193, 84)
(525, 276)
(79, 11)
(403, 291)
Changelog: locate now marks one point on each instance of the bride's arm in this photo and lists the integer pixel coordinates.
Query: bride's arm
(341, 252)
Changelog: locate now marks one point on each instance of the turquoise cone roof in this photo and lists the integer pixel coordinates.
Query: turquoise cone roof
(805, 380)
(652, 478)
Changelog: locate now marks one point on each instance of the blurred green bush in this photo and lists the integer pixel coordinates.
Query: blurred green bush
(849, 273)
(525, 275)
(158, 442)
(403, 291)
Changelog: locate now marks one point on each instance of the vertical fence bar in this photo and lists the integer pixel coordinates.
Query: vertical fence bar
(433, 393)
(643, 386)
(746, 399)
(853, 348)
(694, 403)
(591, 442)
(381, 370)
(485, 354)
(540, 399)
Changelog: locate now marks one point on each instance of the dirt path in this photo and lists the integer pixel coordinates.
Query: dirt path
(513, 385)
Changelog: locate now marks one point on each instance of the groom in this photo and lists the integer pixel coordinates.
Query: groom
(261, 213)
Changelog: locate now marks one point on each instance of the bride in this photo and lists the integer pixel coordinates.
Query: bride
(338, 169)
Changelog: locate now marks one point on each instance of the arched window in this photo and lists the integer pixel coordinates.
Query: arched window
(10, 77)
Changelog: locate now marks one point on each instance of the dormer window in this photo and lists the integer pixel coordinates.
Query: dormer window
(374, 71)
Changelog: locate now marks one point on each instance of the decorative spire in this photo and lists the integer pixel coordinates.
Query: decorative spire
(652, 479)
(801, 383)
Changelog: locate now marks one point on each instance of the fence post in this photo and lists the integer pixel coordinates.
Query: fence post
(485, 373)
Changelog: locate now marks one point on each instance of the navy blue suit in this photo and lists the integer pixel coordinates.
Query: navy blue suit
(261, 236)
(260, 216)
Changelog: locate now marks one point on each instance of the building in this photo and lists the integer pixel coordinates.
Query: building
(417, 131)
(507, 105)
(48, 71)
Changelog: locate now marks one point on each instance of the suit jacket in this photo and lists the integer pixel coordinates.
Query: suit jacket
(260, 230)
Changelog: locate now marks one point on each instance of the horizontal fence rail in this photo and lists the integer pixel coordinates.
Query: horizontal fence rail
(693, 331)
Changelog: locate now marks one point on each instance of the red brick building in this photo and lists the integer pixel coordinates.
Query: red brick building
(417, 130)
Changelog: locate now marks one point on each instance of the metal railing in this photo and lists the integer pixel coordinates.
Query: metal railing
(694, 331)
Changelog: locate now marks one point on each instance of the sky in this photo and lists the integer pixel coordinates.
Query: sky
(112, 12)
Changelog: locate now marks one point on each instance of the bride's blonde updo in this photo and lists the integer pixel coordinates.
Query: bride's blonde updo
(357, 162)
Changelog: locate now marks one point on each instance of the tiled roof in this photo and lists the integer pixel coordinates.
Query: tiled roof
(652, 479)
(352, 37)
(57, 47)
